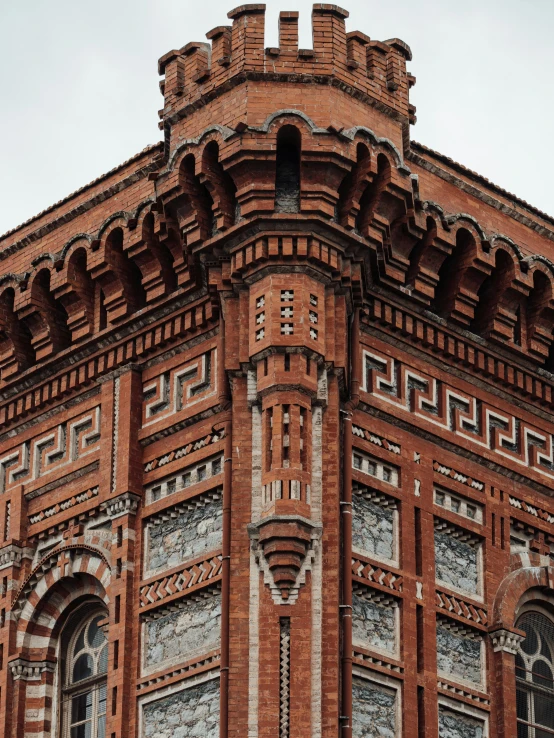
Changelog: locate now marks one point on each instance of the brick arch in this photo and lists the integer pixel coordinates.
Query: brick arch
(65, 566)
(47, 606)
(529, 572)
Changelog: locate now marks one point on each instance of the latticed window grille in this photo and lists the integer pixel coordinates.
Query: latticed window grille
(535, 677)
(84, 692)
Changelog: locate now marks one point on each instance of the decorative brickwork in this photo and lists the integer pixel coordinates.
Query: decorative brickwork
(276, 397)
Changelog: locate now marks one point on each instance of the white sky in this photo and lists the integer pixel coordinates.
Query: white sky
(79, 85)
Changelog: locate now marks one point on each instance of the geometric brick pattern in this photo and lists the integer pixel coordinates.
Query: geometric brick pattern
(184, 450)
(451, 411)
(63, 506)
(463, 609)
(376, 574)
(188, 578)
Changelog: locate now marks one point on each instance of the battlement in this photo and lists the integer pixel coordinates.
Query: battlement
(375, 70)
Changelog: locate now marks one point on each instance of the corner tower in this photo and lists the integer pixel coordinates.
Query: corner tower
(284, 168)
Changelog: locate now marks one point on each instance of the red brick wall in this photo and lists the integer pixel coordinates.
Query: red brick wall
(146, 340)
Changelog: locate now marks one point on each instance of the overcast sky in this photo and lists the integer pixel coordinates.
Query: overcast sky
(79, 85)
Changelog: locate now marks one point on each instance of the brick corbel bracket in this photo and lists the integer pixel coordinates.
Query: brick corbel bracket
(506, 640)
(284, 547)
(27, 671)
(125, 504)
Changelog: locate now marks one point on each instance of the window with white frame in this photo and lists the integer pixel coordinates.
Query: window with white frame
(535, 677)
(84, 688)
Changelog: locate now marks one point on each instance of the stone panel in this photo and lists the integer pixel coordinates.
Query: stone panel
(189, 713)
(185, 536)
(456, 563)
(373, 710)
(183, 634)
(458, 655)
(372, 528)
(455, 725)
(374, 624)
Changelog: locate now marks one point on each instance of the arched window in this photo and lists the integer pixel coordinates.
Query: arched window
(534, 677)
(287, 171)
(84, 688)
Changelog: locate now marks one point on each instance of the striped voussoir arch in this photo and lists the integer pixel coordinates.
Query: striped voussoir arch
(49, 590)
(65, 575)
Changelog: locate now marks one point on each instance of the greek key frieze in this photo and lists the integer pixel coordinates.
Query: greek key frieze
(50, 451)
(478, 423)
(179, 388)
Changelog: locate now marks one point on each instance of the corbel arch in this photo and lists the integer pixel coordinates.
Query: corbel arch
(152, 254)
(221, 186)
(373, 192)
(16, 351)
(353, 185)
(119, 278)
(74, 287)
(461, 274)
(195, 211)
(42, 313)
(500, 297)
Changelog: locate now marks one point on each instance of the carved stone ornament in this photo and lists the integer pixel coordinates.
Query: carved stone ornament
(506, 640)
(125, 504)
(30, 670)
(284, 547)
(13, 555)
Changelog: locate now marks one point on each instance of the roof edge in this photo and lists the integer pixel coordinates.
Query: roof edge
(147, 150)
(479, 178)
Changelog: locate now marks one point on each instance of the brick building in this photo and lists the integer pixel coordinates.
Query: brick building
(276, 442)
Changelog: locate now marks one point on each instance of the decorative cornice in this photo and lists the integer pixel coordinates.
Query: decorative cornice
(26, 671)
(284, 533)
(418, 154)
(189, 319)
(506, 641)
(125, 504)
(432, 336)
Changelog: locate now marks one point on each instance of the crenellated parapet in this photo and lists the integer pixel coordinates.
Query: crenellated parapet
(374, 70)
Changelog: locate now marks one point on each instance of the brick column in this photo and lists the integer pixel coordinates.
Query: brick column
(122, 482)
(504, 646)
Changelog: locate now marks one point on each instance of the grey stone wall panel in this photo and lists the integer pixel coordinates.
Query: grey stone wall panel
(190, 713)
(454, 725)
(374, 711)
(372, 528)
(373, 624)
(458, 656)
(188, 535)
(456, 563)
(181, 635)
